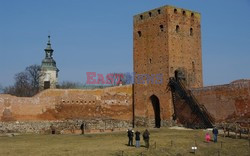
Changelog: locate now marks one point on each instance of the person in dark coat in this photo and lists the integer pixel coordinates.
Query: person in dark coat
(137, 139)
(130, 137)
(146, 138)
(215, 133)
(82, 127)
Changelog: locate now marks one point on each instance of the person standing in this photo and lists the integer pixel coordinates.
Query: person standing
(137, 139)
(82, 127)
(146, 138)
(215, 134)
(130, 137)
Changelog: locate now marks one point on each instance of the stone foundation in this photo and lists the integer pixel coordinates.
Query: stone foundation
(64, 127)
(146, 122)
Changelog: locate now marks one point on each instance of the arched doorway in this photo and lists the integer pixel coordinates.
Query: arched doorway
(156, 106)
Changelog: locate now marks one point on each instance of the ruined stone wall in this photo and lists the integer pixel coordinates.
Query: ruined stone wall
(113, 103)
(160, 50)
(64, 126)
(230, 101)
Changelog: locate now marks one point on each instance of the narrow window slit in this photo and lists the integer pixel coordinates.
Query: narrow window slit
(191, 31)
(177, 29)
(139, 33)
(161, 27)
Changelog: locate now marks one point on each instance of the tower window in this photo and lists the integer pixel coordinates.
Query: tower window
(150, 61)
(184, 12)
(141, 16)
(139, 33)
(177, 29)
(159, 11)
(175, 11)
(192, 14)
(161, 27)
(150, 14)
(191, 31)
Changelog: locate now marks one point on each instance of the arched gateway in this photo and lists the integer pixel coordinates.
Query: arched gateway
(156, 106)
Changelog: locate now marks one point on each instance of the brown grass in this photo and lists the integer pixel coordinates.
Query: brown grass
(114, 143)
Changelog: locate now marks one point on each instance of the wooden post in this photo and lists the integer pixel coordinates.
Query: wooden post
(236, 130)
(248, 131)
(218, 153)
(221, 144)
(122, 153)
(224, 130)
(240, 133)
(155, 145)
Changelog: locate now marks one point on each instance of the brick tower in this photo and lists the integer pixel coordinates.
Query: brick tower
(167, 43)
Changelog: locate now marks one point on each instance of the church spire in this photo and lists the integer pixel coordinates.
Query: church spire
(48, 50)
(48, 69)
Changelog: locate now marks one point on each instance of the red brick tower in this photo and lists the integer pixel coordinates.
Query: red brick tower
(167, 43)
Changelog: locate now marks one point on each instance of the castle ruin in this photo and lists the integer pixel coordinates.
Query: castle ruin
(168, 88)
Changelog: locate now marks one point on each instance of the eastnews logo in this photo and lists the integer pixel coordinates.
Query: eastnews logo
(94, 78)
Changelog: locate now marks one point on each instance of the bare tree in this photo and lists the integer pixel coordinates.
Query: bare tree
(116, 79)
(22, 85)
(1, 88)
(69, 85)
(9, 90)
(34, 75)
(127, 78)
(26, 82)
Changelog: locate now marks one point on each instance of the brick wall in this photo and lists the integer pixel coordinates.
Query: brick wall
(59, 104)
(226, 101)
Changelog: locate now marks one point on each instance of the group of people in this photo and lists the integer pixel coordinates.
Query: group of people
(215, 134)
(145, 136)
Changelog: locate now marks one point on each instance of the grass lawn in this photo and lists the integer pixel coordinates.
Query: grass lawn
(168, 142)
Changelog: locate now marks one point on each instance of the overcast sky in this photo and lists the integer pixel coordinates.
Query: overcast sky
(96, 36)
